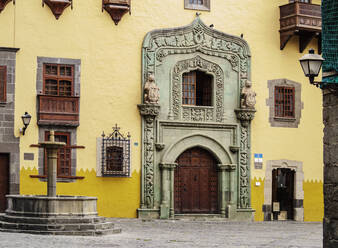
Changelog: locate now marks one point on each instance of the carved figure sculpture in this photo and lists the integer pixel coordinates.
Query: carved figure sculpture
(248, 96)
(151, 91)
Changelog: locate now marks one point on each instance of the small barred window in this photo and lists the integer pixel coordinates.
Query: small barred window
(284, 102)
(115, 150)
(3, 76)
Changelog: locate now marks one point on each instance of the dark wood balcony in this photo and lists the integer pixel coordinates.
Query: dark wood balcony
(302, 19)
(58, 110)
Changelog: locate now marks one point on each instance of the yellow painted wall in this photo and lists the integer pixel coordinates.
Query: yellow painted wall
(257, 194)
(313, 200)
(111, 82)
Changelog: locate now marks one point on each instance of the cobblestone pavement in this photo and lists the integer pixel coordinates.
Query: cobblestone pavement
(183, 233)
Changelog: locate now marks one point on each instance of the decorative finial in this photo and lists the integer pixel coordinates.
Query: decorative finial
(198, 14)
(242, 36)
(116, 128)
(103, 134)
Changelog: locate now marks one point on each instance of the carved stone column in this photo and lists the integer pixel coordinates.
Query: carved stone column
(149, 112)
(245, 116)
(227, 188)
(224, 188)
(167, 204)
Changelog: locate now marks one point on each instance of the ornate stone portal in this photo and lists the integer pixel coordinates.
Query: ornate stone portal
(222, 128)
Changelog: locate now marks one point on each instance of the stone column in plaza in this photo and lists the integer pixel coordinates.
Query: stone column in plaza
(52, 150)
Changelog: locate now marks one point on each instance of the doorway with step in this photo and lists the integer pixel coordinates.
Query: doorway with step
(4, 180)
(283, 193)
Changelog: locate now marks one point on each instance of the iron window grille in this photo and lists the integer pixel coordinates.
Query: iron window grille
(284, 102)
(115, 154)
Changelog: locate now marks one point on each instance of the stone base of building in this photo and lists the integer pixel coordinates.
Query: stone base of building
(61, 215)
(232, 214)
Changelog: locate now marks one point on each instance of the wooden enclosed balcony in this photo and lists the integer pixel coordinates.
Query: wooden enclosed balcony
(58, 110)
(302, 19)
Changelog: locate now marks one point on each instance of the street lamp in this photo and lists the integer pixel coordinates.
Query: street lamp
(311, 64)
(26, 119)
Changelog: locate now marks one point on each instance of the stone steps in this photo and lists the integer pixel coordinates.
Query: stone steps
(52, 220)
(77, 233)
(83, 226)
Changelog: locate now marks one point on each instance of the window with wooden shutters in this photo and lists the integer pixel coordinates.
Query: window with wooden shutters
(58, 79)
(196, 88)
(197, 4)
(284, 102)
(3, 83)
(64, 160)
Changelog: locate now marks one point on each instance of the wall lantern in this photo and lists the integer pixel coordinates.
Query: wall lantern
(311, 64)
(26, 119)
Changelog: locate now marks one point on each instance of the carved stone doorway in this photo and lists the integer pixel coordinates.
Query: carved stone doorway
(4, 180)
(196, 182)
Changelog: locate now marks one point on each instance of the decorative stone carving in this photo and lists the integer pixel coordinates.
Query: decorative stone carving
(245, 116)
(159, 146)
(244, 176)
(248, 96)
(193, 38)
(116, 8)
(57, 6)
(197, 113)
(149, 113)
(151, 91)
(170, 53)
(3, 4)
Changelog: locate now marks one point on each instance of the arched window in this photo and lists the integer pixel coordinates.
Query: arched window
(197, 88)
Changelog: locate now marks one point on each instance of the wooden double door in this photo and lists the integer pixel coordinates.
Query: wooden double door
(196, 182)
(4, 180)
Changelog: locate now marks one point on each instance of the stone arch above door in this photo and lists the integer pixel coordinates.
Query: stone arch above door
(203, 141)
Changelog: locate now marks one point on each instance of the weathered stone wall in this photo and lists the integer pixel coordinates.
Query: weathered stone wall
(330, 118)
(8, 142)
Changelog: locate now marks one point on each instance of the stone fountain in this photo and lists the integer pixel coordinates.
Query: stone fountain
(53, 214)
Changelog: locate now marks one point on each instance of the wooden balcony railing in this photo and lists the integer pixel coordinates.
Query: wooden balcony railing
(58, 110)
(302, 19)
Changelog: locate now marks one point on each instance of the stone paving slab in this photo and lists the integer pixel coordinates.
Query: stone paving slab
(183, 234)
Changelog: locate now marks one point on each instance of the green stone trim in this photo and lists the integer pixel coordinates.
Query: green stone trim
(170, 130)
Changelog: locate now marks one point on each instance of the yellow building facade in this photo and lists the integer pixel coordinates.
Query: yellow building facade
(107, 80)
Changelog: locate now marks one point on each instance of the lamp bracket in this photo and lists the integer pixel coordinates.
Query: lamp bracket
(331, 87)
